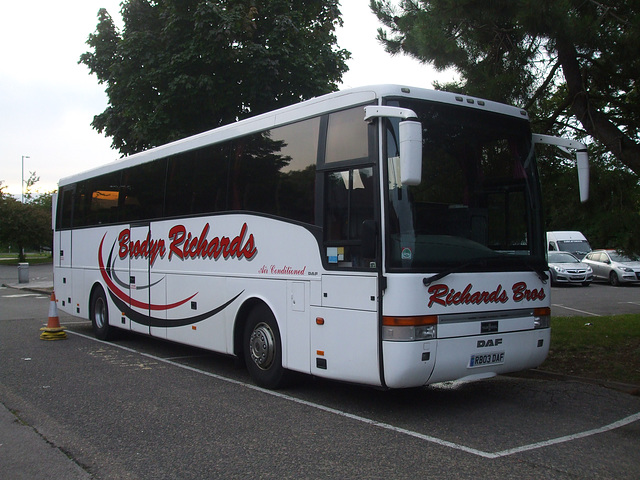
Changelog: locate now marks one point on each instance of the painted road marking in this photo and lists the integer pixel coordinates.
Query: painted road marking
(21, 295)
(386, 426)
(575, 310)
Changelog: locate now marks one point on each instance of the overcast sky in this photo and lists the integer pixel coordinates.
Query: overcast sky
(47, 100)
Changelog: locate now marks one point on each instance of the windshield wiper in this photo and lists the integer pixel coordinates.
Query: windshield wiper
(541, 272)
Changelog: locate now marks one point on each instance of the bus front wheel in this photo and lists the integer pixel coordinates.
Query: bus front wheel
(99, 313)
(263, 348)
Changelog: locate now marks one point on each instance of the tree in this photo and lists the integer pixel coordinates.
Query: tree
(26, 224)
(180, 67)
(611, 217)
(574, 64)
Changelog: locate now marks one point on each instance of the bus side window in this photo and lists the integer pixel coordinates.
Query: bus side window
(142, 191)
(273, 172)
(65, 208)
(197, 181)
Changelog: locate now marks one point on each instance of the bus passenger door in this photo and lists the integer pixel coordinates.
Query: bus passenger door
(62, 248)
(139, 281)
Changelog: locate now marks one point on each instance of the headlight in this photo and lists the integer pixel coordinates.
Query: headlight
(589, 270)
(558, 269)
(626, 269)
(541, 317)
(409, 329)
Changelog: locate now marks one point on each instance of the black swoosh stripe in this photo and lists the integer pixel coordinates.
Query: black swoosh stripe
(150, 321)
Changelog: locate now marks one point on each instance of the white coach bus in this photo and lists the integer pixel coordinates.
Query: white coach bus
(386, 235)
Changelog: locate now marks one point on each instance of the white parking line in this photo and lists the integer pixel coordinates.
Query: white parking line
(568, 438)
(386, 426)
(575, 310)
(21, 295)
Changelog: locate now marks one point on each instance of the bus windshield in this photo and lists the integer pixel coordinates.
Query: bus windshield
(476, 208)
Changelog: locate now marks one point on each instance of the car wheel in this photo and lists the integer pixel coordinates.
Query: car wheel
(613, 279)
(99, 315)
(263, 349)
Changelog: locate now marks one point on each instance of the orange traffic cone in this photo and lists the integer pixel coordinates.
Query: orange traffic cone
(53, 330)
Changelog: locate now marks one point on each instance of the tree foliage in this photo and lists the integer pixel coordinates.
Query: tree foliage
(180, 67)
(572, 63)
(611, 217)
(26, 224)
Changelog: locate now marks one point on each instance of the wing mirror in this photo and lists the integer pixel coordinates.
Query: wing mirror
(410, 141)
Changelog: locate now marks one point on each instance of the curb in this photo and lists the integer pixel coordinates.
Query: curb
(45, 289)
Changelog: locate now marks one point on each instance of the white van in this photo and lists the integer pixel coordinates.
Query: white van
(573, 242)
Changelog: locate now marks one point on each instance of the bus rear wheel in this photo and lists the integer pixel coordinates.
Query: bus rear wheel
(99, 314)
(263, 349)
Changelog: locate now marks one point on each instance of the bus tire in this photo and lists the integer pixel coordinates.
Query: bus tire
(263, 348)
(99, 314)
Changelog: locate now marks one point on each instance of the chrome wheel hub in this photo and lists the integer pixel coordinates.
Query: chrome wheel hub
(262, 346)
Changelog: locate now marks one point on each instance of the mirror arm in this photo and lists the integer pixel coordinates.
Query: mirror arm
(372, 112)
(581, 156)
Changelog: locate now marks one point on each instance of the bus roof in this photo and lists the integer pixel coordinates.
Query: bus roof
(292, 113)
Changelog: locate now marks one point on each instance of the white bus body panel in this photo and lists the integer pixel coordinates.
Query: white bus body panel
(345, 347)
(463, 303)
(345, 343)
(405, 367)
(191, 298)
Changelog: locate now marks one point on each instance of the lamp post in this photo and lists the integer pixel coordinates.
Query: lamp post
(22, 194)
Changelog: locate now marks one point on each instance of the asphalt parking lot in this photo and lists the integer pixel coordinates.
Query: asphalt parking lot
(595, 300)
(142, 408)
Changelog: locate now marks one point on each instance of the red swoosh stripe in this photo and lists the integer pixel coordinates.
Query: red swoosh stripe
(126, 298)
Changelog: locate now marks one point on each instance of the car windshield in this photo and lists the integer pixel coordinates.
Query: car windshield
(580, 247)
(618, 257)
(561, 257)
(477, 206)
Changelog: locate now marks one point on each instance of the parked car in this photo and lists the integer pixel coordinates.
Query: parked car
(564, 267)
(614, 267)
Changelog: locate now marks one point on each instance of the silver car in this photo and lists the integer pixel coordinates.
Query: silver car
(566, 268)
(612, 266)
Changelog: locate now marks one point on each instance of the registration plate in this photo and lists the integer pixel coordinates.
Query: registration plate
(484, 359)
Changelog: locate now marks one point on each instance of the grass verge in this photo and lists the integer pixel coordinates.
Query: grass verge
(604, 348)
(32, 258)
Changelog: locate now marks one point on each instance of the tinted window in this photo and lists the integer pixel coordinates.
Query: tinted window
(274, 172)
(142, 191)
(479, 184)
(347, 136)
(65, 207)
(197, 182)
(96, 200)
